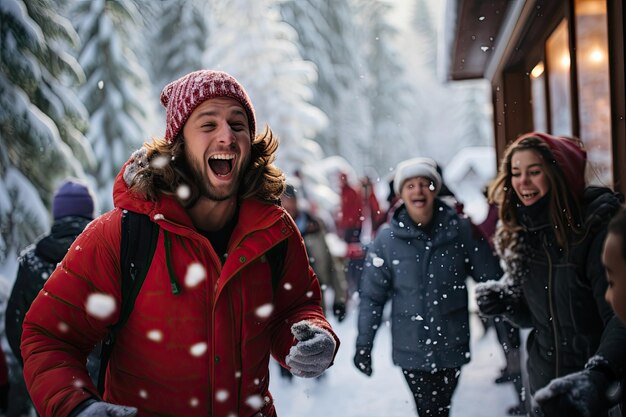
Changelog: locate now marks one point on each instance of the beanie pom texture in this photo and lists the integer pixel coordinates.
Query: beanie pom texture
(181, 97)
(73, 198)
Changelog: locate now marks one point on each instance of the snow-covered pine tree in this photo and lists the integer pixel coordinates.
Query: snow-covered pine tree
(180, 40)
(389, 95)
(116, 93)
(41, 119)
(327, 36)
(259, 49)
(451, 116)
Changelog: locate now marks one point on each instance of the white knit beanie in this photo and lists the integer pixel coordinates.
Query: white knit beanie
(416, 167)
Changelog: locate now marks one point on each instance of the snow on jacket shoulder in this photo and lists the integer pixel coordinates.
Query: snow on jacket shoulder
(202, 352)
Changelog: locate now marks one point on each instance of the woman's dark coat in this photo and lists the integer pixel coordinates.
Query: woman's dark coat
(563, 295)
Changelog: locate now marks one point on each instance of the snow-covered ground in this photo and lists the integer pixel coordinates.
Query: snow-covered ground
(345, 392)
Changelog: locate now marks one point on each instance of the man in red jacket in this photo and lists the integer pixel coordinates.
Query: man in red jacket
(208, 315)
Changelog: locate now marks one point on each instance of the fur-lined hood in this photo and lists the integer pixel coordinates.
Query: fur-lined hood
(124, 198)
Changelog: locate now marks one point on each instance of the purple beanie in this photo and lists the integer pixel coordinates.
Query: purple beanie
(72, 198)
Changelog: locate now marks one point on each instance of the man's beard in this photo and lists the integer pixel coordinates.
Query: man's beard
(205, 188)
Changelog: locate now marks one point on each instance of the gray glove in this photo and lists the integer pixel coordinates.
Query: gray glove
(102, 409)
(585, 393)
(314, 351)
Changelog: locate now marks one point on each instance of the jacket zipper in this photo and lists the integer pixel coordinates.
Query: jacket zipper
(213, 305)
(552, 313)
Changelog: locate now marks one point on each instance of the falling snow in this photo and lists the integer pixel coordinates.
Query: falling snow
(265, 310)
(198, 349)
(195, 275)
(344, 392)
(100, 305)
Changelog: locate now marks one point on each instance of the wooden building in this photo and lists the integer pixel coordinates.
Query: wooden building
(554, 65)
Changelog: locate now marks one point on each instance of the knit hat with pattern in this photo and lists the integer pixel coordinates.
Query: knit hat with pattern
(181, 97)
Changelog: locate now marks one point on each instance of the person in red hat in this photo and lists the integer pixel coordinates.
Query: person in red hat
(209, 313)
(550, 238)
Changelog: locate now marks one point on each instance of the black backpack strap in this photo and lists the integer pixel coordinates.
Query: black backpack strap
(138, 243)
(276, 258)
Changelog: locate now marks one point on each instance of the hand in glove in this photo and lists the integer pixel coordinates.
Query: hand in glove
(102, 409)
(493, 298)
(313, 352)
(363, 360)
(339, 310)
(581, 394)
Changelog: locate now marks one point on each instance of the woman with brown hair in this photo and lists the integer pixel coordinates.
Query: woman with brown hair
(550, 241)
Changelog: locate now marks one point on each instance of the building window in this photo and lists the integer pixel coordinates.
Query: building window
(593, 88)
(538, 97)
(558, 62)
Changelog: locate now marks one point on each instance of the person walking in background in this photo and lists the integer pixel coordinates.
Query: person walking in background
(211, 310)
(550, 240)
(328, 269)
(73, 207)
(508, 335)
(421, 261)
(358, 220)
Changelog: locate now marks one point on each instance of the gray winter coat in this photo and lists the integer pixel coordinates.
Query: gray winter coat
(425, 277)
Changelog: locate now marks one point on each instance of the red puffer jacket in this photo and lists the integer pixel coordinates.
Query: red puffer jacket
(203, 352)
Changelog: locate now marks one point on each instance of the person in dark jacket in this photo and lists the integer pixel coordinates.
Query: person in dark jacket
(508, 335)
(4, 383)
(421, 261)
(614, 260)
(550, 240)
(72, 209)
(328, 269)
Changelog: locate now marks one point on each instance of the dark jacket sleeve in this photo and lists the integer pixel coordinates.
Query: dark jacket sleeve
(613, 342)
(483, 264)
(25, 289)
(519, 314)
(376, 283)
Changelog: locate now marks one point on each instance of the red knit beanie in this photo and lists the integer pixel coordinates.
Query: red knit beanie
(181, 97)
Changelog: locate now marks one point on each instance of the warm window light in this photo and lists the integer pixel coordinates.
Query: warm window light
(565, 61)
(537, 71)
(596, 55)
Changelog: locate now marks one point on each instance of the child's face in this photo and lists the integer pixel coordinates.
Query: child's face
(615, 265)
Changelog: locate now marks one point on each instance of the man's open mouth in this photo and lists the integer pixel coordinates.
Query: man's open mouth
(221, 164)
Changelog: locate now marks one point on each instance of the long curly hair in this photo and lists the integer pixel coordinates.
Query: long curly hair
(168, 170)
(563, 207)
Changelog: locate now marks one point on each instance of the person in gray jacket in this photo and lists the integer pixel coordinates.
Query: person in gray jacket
(421, 262)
